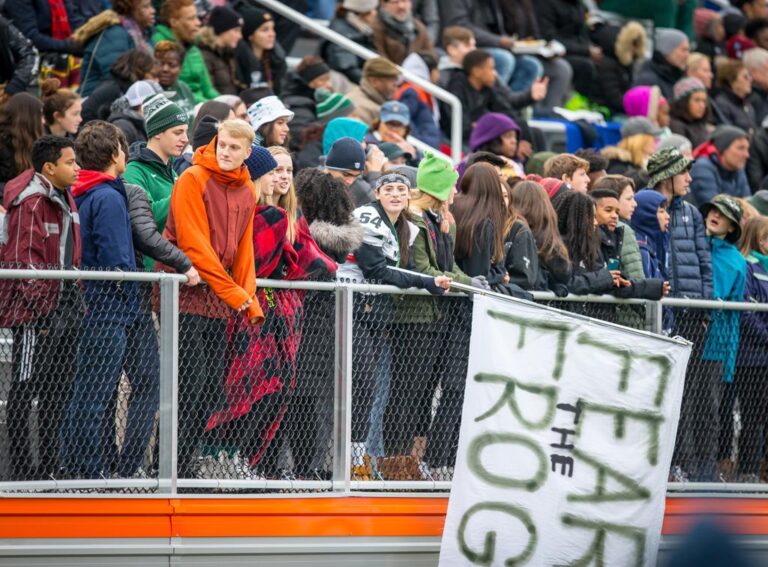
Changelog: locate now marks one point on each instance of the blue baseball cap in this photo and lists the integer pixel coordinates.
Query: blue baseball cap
(394, 111)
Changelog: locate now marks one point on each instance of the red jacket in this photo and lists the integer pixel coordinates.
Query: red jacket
(37, 220)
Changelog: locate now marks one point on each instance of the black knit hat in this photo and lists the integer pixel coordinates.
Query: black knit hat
(346, 154)
(223, 19)
(205, 131)
(253, 19)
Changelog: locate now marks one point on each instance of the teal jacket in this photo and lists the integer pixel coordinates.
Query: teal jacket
(193, 71)
(729, 270)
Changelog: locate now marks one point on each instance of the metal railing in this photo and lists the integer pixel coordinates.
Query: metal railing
(338, 39)
(369, 400)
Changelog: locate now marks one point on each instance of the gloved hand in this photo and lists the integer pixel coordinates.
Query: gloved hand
(481, 282)
(431, 287)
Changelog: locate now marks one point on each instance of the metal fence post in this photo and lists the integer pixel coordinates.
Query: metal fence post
(654, 317)
(169, 385)
(342, 403)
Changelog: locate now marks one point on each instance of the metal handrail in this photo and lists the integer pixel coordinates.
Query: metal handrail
(360, 51)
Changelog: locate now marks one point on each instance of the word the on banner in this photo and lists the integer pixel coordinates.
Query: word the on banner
(566, 440)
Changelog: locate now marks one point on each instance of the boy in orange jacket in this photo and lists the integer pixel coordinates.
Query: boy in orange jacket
(211, 220)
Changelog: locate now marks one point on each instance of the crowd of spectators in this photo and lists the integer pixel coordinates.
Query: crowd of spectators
(173, 136)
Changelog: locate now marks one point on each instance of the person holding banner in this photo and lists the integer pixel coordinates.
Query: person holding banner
(387, 239)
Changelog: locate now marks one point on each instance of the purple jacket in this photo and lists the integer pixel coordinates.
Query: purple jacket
(753, 346)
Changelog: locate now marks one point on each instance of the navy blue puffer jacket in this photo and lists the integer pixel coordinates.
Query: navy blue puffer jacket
(689, 264)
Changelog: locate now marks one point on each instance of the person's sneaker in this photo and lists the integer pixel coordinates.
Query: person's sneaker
(678, 474)
(207, 467)
(140, 474)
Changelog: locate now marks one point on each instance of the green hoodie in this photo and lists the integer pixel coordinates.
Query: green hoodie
(148, 171)
(193, 71)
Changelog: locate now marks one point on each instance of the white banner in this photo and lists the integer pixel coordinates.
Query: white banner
(566, 441)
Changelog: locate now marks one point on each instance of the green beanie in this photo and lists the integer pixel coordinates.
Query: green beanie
(332, 105)
(436, 177)
(160, 114)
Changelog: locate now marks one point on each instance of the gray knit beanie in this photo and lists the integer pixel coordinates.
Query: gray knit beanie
(667, 40)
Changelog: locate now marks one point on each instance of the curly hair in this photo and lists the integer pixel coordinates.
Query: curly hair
(21, 122)
(168, 46)
(576, 222)
(322, 197)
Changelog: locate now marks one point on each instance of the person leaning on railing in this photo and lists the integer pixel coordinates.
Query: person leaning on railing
(211, 220)
(43, 231)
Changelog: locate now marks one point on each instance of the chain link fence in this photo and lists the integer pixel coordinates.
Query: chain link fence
(137, 383)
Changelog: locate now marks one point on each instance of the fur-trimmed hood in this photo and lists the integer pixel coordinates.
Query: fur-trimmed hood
(619, 42)
(617, 153)
(631, 44)
(337, 241)
(95, 26)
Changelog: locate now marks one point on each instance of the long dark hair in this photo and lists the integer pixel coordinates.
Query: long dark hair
(576, 222)
(267, 131)
(21, 122)
(480, 201)
(403, 230)
(531, 201)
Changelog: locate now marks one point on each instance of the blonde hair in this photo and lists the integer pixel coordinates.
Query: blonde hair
(696, 59)
(288, 201)
(636, 146)
(753, 231)
(238, 129)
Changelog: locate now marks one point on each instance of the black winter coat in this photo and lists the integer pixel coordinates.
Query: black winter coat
(614, 79)
(657, 71)
(483, 17)
(757, 166)
(33, 19)
(96, 106)
(251, 73)
(759, 101)
(476, 103)
(565, 21)
(610, 247)
(132, 125)
(737, 111)
(341, 60)
(520, 256)
(17, 58)
(221, 65)
(146, 240)
(480, 262)
(696, 131)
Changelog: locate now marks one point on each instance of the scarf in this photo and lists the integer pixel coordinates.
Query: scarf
(405, 29)
(357, 22)
(60, 28)
(136, 33)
